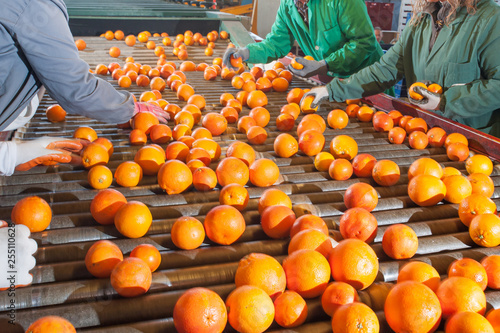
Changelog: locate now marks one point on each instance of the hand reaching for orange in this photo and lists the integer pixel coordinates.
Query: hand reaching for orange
(161, 114)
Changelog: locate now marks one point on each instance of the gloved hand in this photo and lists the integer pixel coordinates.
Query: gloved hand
(311, 67)
(430, 101)
(161, 114)
(320, 95)
(242, 53)
(20, 259)
(47, 151)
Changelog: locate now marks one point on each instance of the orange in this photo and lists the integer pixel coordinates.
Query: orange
(290, 309)
(382, 122)
(160, 133)
(481, 183)
(200, 310)
(308, 222)
(413, 94)
(149, 254)
(471, 269)
(458, 188)
(51, 324)
(224, 224)
(479, 164)
(100, 177)
(435, 88)
(131, 277)
(352, 110)
(493, 317)
(263, 271)
(244, 124)
(102, 257)
(455, 138)
(436, 136)
(201, 132)
(354, 262)
(457, 294)
(256, 135)
(197, 100)
(292, 109)
(235, 103)
(128, 174)
(264, 172)
(260, 115)
(285, 145)
(365, 114)
(114, 52)
(204, 179)
(418, 140)
(33, 212)
(144, 121)
(210, 146)
(294, 95)
(107, 144)
(412, 307)
(340, 169)
(215, 123)
(457, 152)
(94, 154)
(343, 146)
(426, 190)
(105, 205)
(101, 69)
(234, 195)
(256, 98)
(361, 195)
(307, 273)
(55, 113)
(157, 83)
(400, 242)
(130, 40)
(285, 122)
(420, 272)
(404, 120)
(280, 84)
(250, 309)
(273, 197)
(174, 177)
(277, 220)
(336, 295)
(468, 322)
(363, 164)
(232, 170)
(355, 317)
(425, 166)
(80, 44)
(396, 116)
(386, 173)
(184, 92)
(474, 205)
(358, 223)
(150, 159)
(492, 265)
(133, 219)
(484, 230)
(311, 239)
(416, 124)
(177, 150)
(323, 160)
(397, 135)
(449, 171)
(86, 133)
(195, 164)
(187, 233)
(199, 154)
(338, 119)
(311, 142)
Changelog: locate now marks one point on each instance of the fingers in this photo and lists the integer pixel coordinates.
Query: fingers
(68, 145)
(301, 60)
(226, 61)
(57, 157)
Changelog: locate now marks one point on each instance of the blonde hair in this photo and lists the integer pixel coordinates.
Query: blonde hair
(419, 5)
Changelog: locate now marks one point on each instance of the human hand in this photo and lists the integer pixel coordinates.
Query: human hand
(311, 67)
(430, 101)
(161, 114)
(16, 255)
(47, 151)
(320, 95)
(242, 53)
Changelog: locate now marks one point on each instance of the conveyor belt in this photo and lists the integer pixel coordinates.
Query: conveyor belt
(63, 286)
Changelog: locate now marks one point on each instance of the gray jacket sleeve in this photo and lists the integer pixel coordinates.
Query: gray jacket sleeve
(43, 34)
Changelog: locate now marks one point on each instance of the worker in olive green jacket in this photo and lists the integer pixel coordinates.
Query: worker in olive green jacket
(457, 47)
(338, 34)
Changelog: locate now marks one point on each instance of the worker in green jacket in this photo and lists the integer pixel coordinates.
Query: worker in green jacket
(454, 44)
(338, 34)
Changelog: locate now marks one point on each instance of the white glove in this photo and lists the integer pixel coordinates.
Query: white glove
(320, 95)
(46, 150)
(16, 256)
(430, 101)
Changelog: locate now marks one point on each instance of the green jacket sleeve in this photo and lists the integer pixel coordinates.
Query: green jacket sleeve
(481, 96)
(277, 43)
(373, 79)
(356, 27)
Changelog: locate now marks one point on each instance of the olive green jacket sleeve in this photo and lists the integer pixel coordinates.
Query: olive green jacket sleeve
(339, 31)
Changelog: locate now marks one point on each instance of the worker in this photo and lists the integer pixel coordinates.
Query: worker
(38, 52)
(452, 43)
(338, 34)
(379, 34)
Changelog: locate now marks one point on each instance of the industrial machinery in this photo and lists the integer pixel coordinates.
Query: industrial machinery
(63, 286)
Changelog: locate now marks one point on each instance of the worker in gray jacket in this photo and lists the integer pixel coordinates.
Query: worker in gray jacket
(37, 51)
